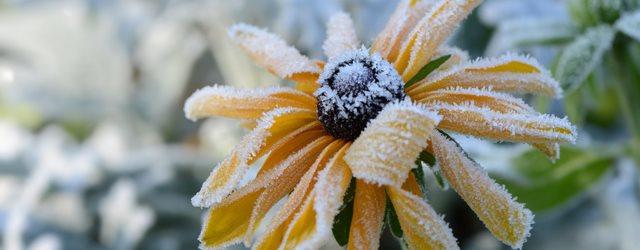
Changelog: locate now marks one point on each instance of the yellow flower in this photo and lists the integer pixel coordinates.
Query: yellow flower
(353, 117)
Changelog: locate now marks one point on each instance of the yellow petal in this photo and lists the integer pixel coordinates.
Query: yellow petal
(244, 103)
(271, 127)
(288, 179)
(498, 102)
(277, 227)
(508, 73)
(235, 217)
(430, 32)
(386, 150)
(311, 227)
(402, 21)
(291, 143)
(271, 52)
(308, 82)
(422, 227)
(226, 224)
(368, 214)
(341, 36)
(507, 219)
(484, 122)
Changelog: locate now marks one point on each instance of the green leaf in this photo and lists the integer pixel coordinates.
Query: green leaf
(392, 220)
(419, 173)
(427, 69)
(581, 56)
(430, 160)
(630, 25)
(342, 221)
(542, 185)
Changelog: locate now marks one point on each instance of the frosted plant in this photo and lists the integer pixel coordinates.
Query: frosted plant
(598, 54)
(345, 140)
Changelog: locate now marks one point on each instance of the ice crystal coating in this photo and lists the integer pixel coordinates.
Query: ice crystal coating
(354, 87)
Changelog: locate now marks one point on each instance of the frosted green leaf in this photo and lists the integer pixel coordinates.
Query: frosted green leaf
(630, 25)
(543, 185)
(518, 33)
(582, 55)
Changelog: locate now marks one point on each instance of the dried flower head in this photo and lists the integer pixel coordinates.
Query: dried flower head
(367, 115)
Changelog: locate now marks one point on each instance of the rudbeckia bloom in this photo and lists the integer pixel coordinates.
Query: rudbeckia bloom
(365, 116)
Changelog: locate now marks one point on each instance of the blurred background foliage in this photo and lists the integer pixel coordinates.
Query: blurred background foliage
(95, 152)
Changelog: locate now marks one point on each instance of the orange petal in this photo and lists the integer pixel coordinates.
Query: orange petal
(422, 227)
(236, 216)
(341, 36)
(224, 177)
(498, 102)
(507, 219)
(226, 224)
(271, 52)
(402, 21)
(386, 150)
(430, 32)
(508, 73)
(311, 227)
(485, 122)
(368, 215)
(285, 183)
(276, 229)
(244, 103)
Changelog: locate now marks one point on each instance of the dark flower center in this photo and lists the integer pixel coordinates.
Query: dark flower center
(354, 88)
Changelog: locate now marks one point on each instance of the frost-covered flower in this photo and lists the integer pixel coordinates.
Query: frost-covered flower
(366, 115)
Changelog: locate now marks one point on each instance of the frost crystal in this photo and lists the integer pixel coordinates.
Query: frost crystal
(354, 88)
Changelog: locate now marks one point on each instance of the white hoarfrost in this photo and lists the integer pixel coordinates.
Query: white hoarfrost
(489, 200)
(238, 159)
(501, 100)
(197, 102)
(630, 24)
(386, 150)
(581, 57)
(482, 120)
(270, 51)
(388, 83)
(341, 36)
(475, 73)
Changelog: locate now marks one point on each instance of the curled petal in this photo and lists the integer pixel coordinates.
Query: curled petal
(276, 229)
(507, 219)
(430, 32)
(341, 36)
(508, 73)
(551, 149)
(495, 101)
(402, 21)
(271, 52)
(224, 177)
(484, 122)
(368, 214)
(243, 103)
(312, 225)
(386, 150)
(422, 227)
